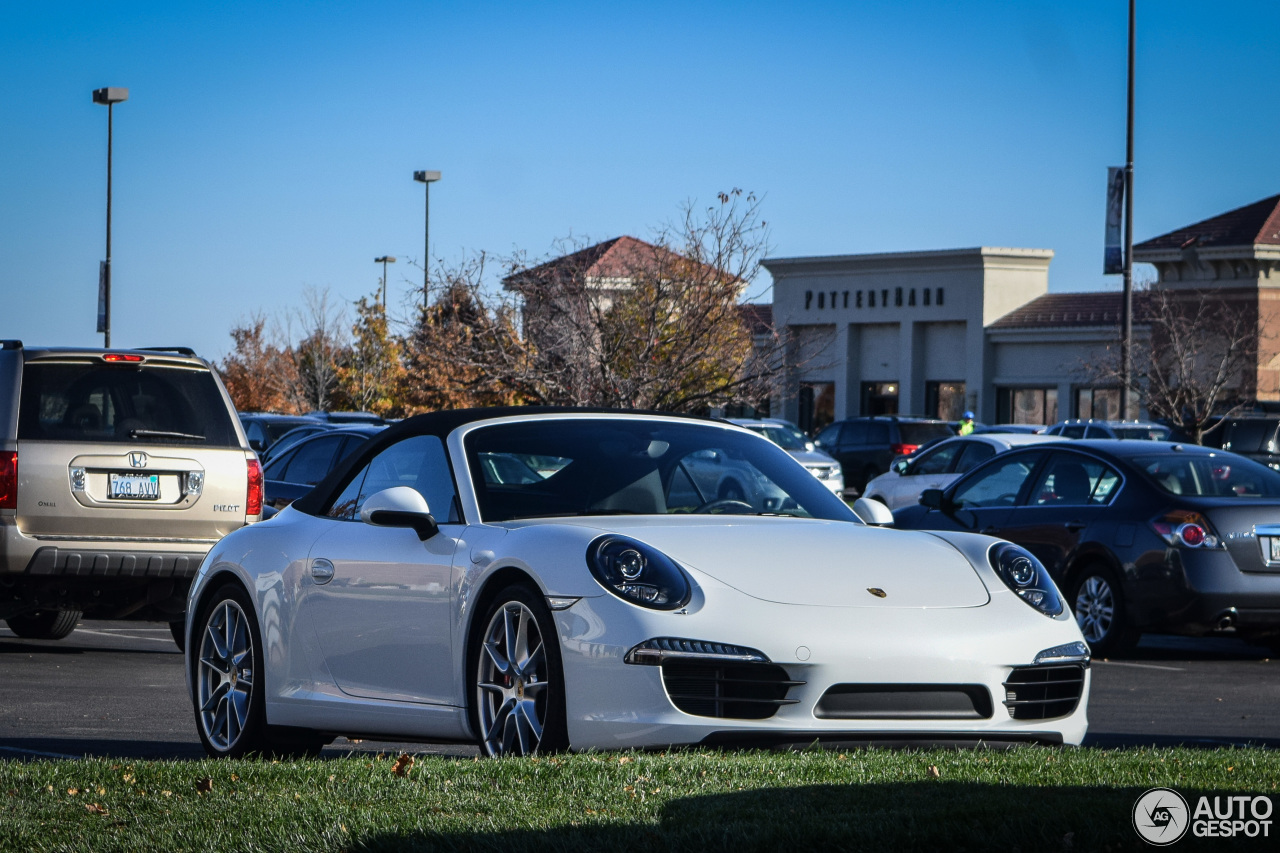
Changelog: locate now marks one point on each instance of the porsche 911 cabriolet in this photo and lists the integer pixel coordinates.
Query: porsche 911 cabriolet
(547, 579)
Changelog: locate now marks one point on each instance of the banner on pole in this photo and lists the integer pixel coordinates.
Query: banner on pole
(1113, 259)
(102, 296)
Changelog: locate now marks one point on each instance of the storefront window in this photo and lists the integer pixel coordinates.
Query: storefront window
(944, 400)
(879, 398)
(1027, 405)
(817, 405)
(1103, 404)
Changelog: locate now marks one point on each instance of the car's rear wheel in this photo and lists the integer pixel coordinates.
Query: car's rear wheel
(518, 702)
(1098, 602)
(44, 624)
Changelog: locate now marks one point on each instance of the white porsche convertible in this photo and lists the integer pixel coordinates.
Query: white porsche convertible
(537, 579)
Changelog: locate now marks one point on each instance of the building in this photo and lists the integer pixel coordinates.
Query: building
(939, 332)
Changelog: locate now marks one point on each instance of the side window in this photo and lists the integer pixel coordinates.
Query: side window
(999, 484)
(829, 436)
(419, 463)
(313, 461)
(877, 433)
(938, 460)
(854, 433)
(974, 454)
(1071, 480)
(275, 468)
(1073, 431)
(257, 436)
(1097, 432)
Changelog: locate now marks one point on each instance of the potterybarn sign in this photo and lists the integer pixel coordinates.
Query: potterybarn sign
(872, 298)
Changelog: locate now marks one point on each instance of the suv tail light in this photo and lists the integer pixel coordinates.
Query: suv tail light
(121, 356)
(253, 500)
(1186, 528)
(903, 449)
(8, 479)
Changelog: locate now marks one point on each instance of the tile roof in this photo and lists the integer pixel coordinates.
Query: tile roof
(616, 258)
(1253, 224)
(1070, 310)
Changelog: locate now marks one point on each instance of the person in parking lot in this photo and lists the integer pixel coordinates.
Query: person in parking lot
(966, 424)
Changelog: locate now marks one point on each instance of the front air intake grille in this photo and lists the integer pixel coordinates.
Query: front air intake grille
(740, 691)
(1043, 692)
(905, 702)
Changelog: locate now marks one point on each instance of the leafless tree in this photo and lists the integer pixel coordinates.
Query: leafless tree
(320, 354)
(1198, 362)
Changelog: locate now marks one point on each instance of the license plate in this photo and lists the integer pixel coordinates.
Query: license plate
(1273, 549)
(133, 487)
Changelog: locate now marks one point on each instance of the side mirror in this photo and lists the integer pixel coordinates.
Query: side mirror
(809, 445)
(400, 506)
(872, 513)
(900, 465)
(933, 499)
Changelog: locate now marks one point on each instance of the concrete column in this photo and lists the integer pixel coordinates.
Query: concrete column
(910, 368)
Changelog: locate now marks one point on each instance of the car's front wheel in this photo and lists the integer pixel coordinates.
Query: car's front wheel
(44, 624)
(1098, 602)
(228, 664)
(518, 683)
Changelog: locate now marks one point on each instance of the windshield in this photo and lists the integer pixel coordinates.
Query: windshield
(786, 437)
(1219, 475)
(580, 467)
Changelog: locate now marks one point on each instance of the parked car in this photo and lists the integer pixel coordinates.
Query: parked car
(1253, 436)
(119, 469)
(264, 429)
(864, 447)
(1142, 536)
(789, 437)
(297, 469)
(610, 603)
(293, 436)
(941, 464)
(348, 418)
(1089, 428)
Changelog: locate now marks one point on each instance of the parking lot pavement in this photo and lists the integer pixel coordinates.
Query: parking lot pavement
(117, 689)
(114, 689)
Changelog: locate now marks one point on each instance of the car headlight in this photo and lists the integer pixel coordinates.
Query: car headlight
(638, 573)
(1023, 574)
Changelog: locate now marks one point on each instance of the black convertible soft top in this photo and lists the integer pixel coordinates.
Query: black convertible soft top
(440, 424)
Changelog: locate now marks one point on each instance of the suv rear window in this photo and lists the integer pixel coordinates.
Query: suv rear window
(1249, 436)
(96, 402)
(920, 433)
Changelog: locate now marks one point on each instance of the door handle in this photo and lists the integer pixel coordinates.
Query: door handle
(1074, 526)
(321, 571)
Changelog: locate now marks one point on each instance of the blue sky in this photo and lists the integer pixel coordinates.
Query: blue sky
(269, 147)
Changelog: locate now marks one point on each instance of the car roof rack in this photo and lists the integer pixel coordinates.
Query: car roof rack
(11, 344)
(188, 351)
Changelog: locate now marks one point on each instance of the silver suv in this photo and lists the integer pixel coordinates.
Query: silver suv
(119, 469)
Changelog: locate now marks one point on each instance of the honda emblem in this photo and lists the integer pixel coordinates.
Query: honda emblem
(137, 459)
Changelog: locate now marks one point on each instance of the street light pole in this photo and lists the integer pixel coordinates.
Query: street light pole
(425, 178)
(1126, 307)
(384, 260)
(110, 96)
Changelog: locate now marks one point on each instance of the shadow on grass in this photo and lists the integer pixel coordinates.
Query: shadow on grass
(932, 816)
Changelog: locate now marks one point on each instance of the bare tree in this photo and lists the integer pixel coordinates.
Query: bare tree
(649, 325)
(320, 354)
(1199, 360)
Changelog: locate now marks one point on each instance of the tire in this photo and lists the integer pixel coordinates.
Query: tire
(226, 664)
(520, 711)
(178, 630)
(1097, 600)
(44, 624)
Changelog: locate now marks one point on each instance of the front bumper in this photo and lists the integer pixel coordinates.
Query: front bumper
(614, 705)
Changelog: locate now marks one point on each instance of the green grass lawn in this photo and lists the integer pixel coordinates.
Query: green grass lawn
(1026, 799)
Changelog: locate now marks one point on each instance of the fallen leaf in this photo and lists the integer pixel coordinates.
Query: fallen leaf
(235, 778)
(402, 765)
(73, 791)
(101, 791)
(128, 778)
(94, 808)
(934, 772)
(625, 759)
(840, 757)
(204, 786)
(167, 793)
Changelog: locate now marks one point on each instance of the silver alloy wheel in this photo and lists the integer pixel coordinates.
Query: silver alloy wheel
(512, 682)
(1095, 608)
(224, 682)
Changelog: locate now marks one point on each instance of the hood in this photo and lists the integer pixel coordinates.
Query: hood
(812, 457)
(816, 563)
